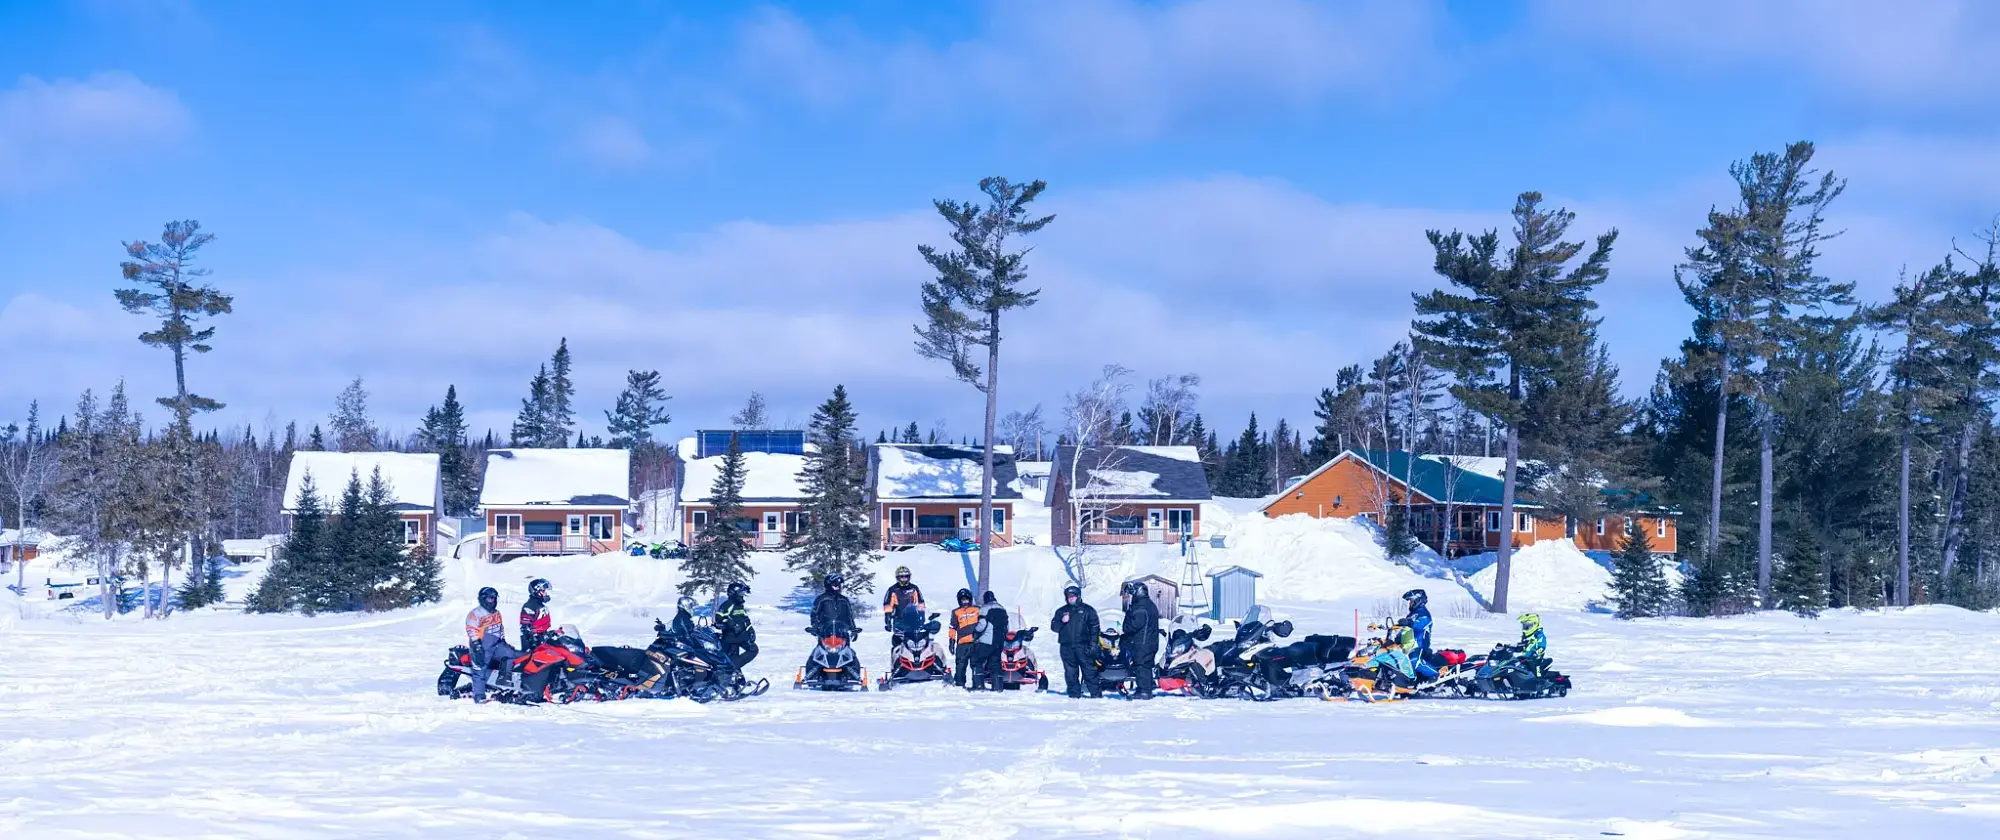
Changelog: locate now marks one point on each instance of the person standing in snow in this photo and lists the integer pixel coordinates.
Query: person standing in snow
(964, 638)
(900, 594)
(1141, 641)
(732, 622)
(486, 638)
(832, 614)
(1076, 628)
(535, 620)
(992, 634)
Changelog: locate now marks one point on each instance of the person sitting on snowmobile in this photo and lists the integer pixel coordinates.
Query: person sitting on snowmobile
(1141, 642)
(964, 635)
(535, 620)
(486, 639)
(1534, 643)
(900, 594)
(1419, 622)
(832, 614)
(1076, 635)
(732, 620)
(992, 634)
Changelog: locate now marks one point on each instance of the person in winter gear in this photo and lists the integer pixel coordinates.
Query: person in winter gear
(486, 639)
(901, 594)
(732, 623)
(964, 637)
(535, 620)
(832, 614)
(992, 634)
(1075, 623)
(1419, 618)
(1534, 642)
(1141, 640)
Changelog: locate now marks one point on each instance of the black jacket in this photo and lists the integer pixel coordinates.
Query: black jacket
(732, 621)
(1076, 628)
(833, 615)
(996, 620)
(898, 596)
(535, 623)
(1142, 630)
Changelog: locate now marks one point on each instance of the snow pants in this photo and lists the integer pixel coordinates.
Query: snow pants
(740, 650)
(989, 666)
(1079, 674)
(498, 656)
(1142, 676)
(965, 663)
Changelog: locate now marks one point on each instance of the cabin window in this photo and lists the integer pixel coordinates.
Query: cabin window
(600, 526)
(791, 522)
(411, 532)
(1521, 522)
(999, 520)
(1125, 524)
(937, 523)
(745, 525)
(902, 520)
(1600, 525)
(506, 524)
(542, 529)
(1091, 521)
(1492, 520)
(968, 517)
(700, 519)
(1660, 526)
(1180, 520)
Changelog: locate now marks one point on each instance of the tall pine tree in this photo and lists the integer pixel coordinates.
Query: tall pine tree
(531, 426)
(558, 412)
(720, 556)
(835, 480)
(1638, 583)
(443, 432)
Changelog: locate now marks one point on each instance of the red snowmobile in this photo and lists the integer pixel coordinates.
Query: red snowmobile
(1017, 662)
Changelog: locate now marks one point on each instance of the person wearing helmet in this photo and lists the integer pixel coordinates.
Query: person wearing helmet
(991, 634)
(901, 594)
(486, 639)
(1141, 640)
(964, 636)
(1419, 621)
(1534, 642)
(832, 614)
(732, 622)
(535, 620)
(1076, 628)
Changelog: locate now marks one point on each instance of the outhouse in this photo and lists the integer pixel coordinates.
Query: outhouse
(1234, 590)
(1165, 593)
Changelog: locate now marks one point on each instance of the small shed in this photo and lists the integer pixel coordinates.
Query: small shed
(1234, 589)
(1165, 594)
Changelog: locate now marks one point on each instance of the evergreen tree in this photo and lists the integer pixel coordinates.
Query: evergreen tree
(720, 556)
(1397, 542)
(353, 431)
(910, 434)
(1511, 318)
(1338, 411)
(303, 557)
(315, 442)
(1800, 585)
(1916, 314)
(443, 432)
(882, 436)
(381, 557)
(835, 480)
(641, 407)
(1638, 583)
(167, 284)
(202, 591)
(558, 413)
(1970, 381)
(1247, 464)
(531, 426)
(423, 576)
(754, 415)
(335, 585)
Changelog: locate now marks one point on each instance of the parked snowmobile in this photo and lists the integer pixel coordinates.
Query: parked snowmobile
(1114, 671)
(554, 672)
(1376, 672)
(916, 656)
(960, 544)
(1017, 662)
(1235, 659)
(1191, 668)
(697, 667)
(1302, 668)
(1504, 674)
(832, 667)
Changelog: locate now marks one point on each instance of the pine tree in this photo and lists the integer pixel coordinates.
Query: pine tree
(443, 432)
(315, 442)
(341, 574)
(1638, 583)
(531, 426)
(558, 415)
(353, 431)
(882, 436)
(1800, 583)
(1397, 542)
(754, 414)
(203, 591)
(835, 479)
(381, 557)
(641, 407)
(911, 435)
(423, 576)
(168, 285)
(293, 579)
(720, 556)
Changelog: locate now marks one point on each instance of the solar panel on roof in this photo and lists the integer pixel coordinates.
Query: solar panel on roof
(777, 442)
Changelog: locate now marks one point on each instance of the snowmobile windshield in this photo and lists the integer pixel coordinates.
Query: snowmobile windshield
(1259, 614)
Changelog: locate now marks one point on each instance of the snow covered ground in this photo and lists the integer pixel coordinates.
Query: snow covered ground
(222, 724)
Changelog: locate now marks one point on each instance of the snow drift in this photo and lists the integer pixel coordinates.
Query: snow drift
(1549, 575)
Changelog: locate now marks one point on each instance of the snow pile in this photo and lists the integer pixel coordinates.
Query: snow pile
(1308, 559)
(1549, 575)
(766, 475)
(1105, 483)
(412, 477)
(556, 477)
(931, 472)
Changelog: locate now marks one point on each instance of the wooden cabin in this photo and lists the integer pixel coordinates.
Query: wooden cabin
(1454, 503)
(773, 495)
(1108, 495)
(543, 502)
(412, 477)
(928, 493)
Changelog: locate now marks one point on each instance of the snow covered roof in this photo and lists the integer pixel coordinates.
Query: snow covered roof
(767, 477)
(1033, 468)
(250, 548)
(1134, 473)
(939, 471)
(412, 477)
(556, 478)
(24, 536)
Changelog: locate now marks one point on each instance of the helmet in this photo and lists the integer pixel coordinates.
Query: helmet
(1530, 622)
(1416, 598)
(1072, 591)
(964, 597)
(686, 602)
(988, 598)
(538, 589)
(1134, 588)
(833, 581)
(489, 598)
(738, 589)
(902, 572)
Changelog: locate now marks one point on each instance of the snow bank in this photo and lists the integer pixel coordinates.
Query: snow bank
(1549, 575)
(1308, 559)
(556, 477)
(765, 476)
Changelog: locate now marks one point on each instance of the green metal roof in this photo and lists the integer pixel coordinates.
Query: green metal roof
(1440, 481)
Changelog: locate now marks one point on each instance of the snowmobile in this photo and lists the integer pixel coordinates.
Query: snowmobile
(554, 672)
(833, 666)
(1114, 671)
(959, 544)
(697, 667)
(1302, 668)
(1504, 674)
(915, 657)
(1237, 674)
(1017, 662)
(1190, 667)
(1376, 672)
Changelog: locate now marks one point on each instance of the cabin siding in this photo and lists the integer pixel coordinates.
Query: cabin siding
(759, 537)
(519, 544)
(888, 539)
(1346, 489)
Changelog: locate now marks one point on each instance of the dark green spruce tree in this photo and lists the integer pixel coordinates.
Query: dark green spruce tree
(1638, 583)
(835, 478)
(1396, 539)
(282, 588)
(1800, 583)
(443, 432)
(720, 556)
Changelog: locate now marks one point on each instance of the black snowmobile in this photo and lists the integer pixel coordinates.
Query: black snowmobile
(833, 665)
(1114, 671)
(1504, 674)
(697, 667)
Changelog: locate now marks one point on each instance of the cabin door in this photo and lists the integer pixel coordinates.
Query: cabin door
(774, 532)
(573, 534)
(1156, 525)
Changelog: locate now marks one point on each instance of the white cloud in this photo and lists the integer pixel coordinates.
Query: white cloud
(51, 131)
(1112, 67)
(613, 143)
(1923, 50)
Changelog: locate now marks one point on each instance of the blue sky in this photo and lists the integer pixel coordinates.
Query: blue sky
(425, 194)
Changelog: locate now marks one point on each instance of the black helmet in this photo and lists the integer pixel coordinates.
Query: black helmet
(833, 582)
(489, 598)
(964, 597)
(988, 598)
(1072, 591)
(1135, 588)
(738, 589)
(538, 589)
(1416, 598)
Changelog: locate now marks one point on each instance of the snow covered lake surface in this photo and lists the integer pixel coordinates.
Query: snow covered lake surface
(223, 725)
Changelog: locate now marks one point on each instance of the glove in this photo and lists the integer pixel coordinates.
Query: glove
(479, 657)
(885, 625)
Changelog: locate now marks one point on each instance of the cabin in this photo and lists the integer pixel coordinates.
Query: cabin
(773, 495)
(553, 502)
(20, 545)
(414, 489)
(928, 493)
(1032, 476)
(1109, 495)
(1454, 503)
(261, 548)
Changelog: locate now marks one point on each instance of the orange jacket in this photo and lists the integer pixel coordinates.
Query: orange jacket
(482, 622)
(965, 625)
